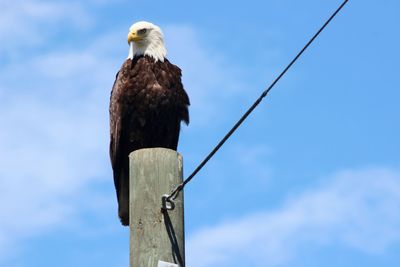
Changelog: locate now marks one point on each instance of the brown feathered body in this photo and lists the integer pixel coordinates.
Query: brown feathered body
(148, 103)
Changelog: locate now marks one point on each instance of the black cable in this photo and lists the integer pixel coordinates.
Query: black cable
(180, 187)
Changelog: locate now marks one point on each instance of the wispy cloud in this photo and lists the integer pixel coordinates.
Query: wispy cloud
(355, 209)
(24, 23)
(54, 140)
(46, 159)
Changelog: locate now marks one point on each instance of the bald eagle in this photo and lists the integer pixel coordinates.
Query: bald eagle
(147, 105)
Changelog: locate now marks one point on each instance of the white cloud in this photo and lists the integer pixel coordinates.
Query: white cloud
(54, 139)
(355, 209)
(24, 23)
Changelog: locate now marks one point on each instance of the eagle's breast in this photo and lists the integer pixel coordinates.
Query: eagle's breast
(152, 102)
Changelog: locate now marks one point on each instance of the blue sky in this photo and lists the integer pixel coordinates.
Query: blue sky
(312, 178)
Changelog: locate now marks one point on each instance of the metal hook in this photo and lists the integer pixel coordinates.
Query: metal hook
(167, 203)
(169, 199)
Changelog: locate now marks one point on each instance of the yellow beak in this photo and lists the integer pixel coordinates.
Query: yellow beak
(132, 36)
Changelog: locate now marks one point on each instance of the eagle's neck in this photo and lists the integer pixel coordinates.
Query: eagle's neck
(154, 49)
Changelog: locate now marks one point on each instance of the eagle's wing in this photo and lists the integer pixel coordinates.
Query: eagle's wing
(170, 77)
(115, 126)
(181, 95)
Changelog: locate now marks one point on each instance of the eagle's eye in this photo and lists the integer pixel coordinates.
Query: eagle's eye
(142, 31)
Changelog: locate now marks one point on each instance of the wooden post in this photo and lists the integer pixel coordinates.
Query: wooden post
(155, 235)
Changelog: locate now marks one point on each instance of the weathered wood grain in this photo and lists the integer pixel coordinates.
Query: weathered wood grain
(155, 235)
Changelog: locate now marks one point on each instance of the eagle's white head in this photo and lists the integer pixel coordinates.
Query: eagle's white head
(145, 38)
